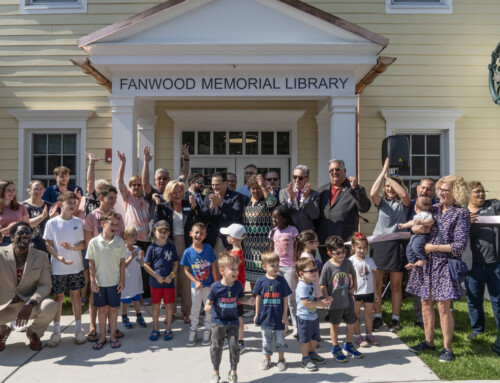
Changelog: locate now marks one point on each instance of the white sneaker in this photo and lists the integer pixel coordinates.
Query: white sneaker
(80, 337)
(191, 339)
(207, 338)
(54, 340)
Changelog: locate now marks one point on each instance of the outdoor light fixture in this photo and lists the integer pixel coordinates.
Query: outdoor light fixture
(494, 75)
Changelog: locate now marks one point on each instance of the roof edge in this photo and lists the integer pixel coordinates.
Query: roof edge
(380, 67)
(84, 64)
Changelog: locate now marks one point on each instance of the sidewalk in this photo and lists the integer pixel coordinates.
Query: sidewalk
(142, 360)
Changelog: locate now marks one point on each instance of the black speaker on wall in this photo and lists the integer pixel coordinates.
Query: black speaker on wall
(397, 148)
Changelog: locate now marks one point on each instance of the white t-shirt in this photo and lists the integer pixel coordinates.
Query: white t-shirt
(364, 274)
(133, 277)
(423, 215)
(65, 230)
(178, 224)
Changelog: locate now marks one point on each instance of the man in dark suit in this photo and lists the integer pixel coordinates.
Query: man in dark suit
(340, 202)
(302, 201)
(25, 283)
(196, 188)
(221, 209)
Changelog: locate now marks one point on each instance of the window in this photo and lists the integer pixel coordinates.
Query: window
(50, 151)
(52, 6)
(419, 6)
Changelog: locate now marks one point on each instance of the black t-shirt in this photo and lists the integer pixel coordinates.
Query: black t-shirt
(485, 239)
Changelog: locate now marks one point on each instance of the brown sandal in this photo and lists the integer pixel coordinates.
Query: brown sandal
(3, 337)
(92, 336)
(186, 319)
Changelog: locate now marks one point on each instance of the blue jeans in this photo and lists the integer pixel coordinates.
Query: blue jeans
(479, 276)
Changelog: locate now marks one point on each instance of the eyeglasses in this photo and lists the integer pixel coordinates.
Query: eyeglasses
(272, 179)
(136, 185)
(200, 182)
(300, 178)
(334, 170)
(310, 271)
(443, 190)
(162, 178)
(24, 232)
(480, 191)
(337, 253)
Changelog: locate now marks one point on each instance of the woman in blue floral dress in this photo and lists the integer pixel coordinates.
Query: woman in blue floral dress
(433, 282)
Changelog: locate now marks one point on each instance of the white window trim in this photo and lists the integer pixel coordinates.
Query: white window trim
(446, 7)
(49, 121)
(432, 121)
(26, 7)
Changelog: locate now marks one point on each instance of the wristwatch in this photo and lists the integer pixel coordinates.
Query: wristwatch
(32, 303)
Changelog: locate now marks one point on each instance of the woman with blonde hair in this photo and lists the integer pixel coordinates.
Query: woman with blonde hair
(11, 211)
(433, 281)
(180, 215)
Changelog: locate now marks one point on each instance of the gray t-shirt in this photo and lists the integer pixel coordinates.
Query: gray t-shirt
(337, 281)
(485, 239)
(390, 213)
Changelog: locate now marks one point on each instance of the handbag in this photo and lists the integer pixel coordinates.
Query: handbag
(458, 268)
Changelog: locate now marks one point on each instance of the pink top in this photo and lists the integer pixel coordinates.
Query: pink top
(316, 280)
(92, 224)
(283, 244)
(8, 215)
(136, 213)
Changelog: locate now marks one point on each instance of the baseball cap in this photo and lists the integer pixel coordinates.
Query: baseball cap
(235, 230)
(160, 224)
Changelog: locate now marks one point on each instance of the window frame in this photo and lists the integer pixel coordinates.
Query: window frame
(61, 6)
(417, 7)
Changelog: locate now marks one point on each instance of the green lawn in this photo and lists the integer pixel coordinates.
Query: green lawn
(473, 360)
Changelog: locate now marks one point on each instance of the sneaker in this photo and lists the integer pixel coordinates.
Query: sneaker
(80, 337)
(225, 346)
(370, 339)
(360, 341)
(54, 340)
(395, 326)
(215, 379)
(338, 355)
(191, 339)
(265, 365)
(351, 351)
(126, 323)
(232, 378)
(83, 300)
(446, 356)
(424, 346)
(309, 365)
(317, 359)
(35, 342)
(281, 365)
(146, 301)
(377, 323)
(295, 334)
(155, 335)
(140, 321)
(168, 335)
(207, 338)
(473, 335)
(241, 345)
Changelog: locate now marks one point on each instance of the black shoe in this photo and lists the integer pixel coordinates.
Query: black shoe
(446, 356)
(395, 326)
(424, 346)
(377, 323)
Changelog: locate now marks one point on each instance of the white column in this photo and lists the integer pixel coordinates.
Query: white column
(323, 122)
(124, 136)
(146, 126)
(343, 140)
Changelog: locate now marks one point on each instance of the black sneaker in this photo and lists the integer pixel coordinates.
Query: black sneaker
(395, 326)
(377, 323)
(446, 356)
(424, 346)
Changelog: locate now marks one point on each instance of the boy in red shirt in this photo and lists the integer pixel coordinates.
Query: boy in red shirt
(235, 234)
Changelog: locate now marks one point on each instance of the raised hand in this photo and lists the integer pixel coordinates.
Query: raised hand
(147, 154)
(353, 181)
(92, 158)
(291, 192)
(261, 182)
(121, 156)
(307, 191)
(185, 151)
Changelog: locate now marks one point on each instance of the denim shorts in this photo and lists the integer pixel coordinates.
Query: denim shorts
(107, 296)
(267, 341)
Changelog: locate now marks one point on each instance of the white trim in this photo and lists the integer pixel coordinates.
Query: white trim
(416, 7)
(60, 121)
(235, 120)
(426, 121)
(26, 7)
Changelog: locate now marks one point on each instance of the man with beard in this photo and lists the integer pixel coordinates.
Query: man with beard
(25, 282)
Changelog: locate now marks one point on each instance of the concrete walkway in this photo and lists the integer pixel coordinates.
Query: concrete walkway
(140, 360)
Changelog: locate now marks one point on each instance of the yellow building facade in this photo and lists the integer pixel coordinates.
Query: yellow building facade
(435, 92)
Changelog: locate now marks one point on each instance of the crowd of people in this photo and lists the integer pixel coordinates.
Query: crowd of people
(178, 242)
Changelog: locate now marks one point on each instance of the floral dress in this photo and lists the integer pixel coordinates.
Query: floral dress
(434, 278)
(258, 224)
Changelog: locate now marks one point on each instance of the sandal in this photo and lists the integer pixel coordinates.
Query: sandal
(99, 345)
(115, 343)
(118, 334)
(92, 336)
(186, 319)
(3, 337)
(168, 335)
(154, 335)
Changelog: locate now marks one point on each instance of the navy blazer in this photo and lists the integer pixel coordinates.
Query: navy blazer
(230, 212)
(164, 211)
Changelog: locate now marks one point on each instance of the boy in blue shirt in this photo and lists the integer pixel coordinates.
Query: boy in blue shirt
(161, 263)
(307, 318)
(271, 309)
(199, 265)
(223, 302)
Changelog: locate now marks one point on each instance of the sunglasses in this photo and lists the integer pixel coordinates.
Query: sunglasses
(24, 232)
(200, 182)
(337, 253)
(310, 271)
(334, 170)
(272, 179)
(300, 178)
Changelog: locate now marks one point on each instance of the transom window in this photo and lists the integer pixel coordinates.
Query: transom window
(425, 159)
(52, 6)
(50, 151)
(235, 143)
(419, 6)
